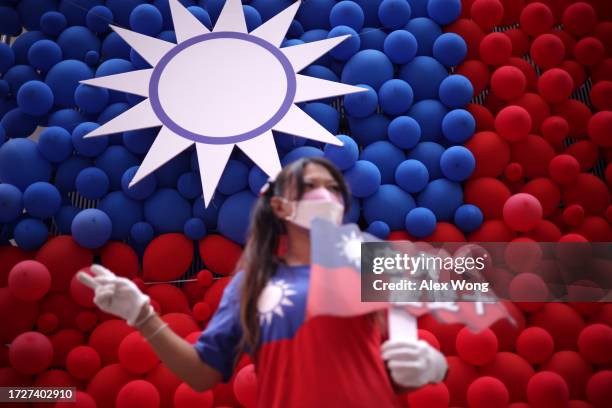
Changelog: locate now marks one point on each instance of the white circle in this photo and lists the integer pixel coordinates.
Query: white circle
(270, 298)
(222, 87)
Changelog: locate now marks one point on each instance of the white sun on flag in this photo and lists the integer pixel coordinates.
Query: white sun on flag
(220, 89)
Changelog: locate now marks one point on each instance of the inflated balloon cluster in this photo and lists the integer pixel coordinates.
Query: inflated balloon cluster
(422, 158)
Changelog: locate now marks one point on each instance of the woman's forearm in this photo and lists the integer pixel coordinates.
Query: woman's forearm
(178, 355)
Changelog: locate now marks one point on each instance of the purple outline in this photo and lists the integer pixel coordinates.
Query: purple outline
(179, 130)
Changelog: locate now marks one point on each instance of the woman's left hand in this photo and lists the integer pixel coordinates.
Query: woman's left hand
(414, 363)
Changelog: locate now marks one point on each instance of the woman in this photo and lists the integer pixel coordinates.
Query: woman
(321, 361)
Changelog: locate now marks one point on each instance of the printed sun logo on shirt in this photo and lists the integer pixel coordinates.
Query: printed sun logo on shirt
(272, 299)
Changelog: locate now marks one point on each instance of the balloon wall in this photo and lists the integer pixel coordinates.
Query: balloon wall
(484, 120)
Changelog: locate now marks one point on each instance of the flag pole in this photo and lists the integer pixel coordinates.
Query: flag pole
(402, 325)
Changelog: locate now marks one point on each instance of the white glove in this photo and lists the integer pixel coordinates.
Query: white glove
(113, 294)
(414, 363)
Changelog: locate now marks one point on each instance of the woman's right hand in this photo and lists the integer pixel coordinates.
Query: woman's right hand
(114, 294)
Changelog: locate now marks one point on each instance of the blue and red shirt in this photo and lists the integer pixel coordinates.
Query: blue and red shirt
(322, 361)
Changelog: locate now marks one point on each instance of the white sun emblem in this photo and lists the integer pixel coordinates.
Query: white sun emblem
(272, 299)
(350, 247)
(220, 89)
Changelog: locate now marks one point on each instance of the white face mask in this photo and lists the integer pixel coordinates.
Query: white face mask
(318, 203)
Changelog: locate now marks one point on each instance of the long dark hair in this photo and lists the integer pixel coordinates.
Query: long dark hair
(260, 256)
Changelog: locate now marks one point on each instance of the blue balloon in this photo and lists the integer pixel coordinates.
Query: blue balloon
(457, 163)
(11, 203)
(113, 47)
(429, 154)
(68, 171)
(270, 8)
(299, 152)
(424, 75)
(449, 49)
(168, 36)
(347, 13)
(63, 79)
(137, 61)
(319, 71)
(22, 45)
(426, 32)
(370, 129)
(194, 229)
(89, 147)
(112, 67)
(55, 143)
(17, 124)
(7, 58)
(315, 14)
(400, 46)
(257, 178)
(9, 21)
(123, 212)
(372, 38)
(91, 228)
(379, 229)
(142, 232)
(139, 141)
(141, 190)
(156, 211)
(234, 216)
(209, 214)
(35, 98)
(404, 132)
(389, 204)
(77, 41)
(111, 112)
(204, 18)
(354, 210)
(347, 48)
(76, 10)
(114, 161)
(458, 126)
(412, 176)
(18, 75)
(456, 91)
(4, 90)
(420, 222)
(91, 58)
(395, 97)
(30, 234)
(326, 115)
(69, 119)
(252, 17)
(419, 8)
(99, 19)
(344, 157)
(122, 9)
(441, 196)
(189, 185)
(370, 67)
(444, 12)
(295, 29)
(394, 14)
(63, 218)
(386, 157)
(2, 135)
(286, 142)
(235, 178)
(21, 163)
(41, 199)
(291, 42)
(91, 99)
(468, 218)
(92, 183)
(361, 104)
(53, 23)
(44, 54)
(370, 11)
(429, 114)
(146, 19)
(168, 174)
(363, 179)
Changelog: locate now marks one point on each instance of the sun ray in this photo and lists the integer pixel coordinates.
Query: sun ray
(274, 30)
(262, 151)
(140, 116)
(297, 122)
(166, 146)
(231, 18)
(186, 25)
(303, 55)
(211, 161)
(310, 88)
(149, 48)
(133, 82)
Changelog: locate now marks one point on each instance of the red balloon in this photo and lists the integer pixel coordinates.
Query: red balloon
(573, 215)
(492, 231)
(477, 72)
(181, 323)
(487, 13)
(82, 294)
(201, 311)
(564, 169)
(513, 371)
(562, 322)
(574, 369)
(513, 123)
(506, 330)
(576, 71)
(535, 345)
(167, 257)
(139, 393)
(186, 397)
(594, 343)
(602, 71)
(536, 106)
(245, 386)
(9, 257)
(31, 353)
(590, 192)
(106, 383)
(488, 194)
(520, 41)
(106, 337)
(546, 231)
(547, 51)
(445, 333)
(63, 341)
(82, 400)
(547, 390)
(595, 229)
(429, 396)
(554, 130)
(429, 337)
(194, 291)
(215, 292)
(219, 254)
(47, 323)
(136, 355)
(512, 11)
(577, 115)
(120, 258)
(29, 280)
(598, 389)
(495, 49)
(508, 82)
(476, 348)
(522, 212)
(601, 95)
(471, 33)
(491, 153)
(460, 376)
(170, 298)
(528, 290)
(589, 51)
(568, 41)
(52, 378)
(555, 85)
(83, 362)
(166, 383)
(64, 258)
(536, 19)
(586, 152)
(514, 172)
(598, 129)
(527, 69)
(16, 315)
(603, 32)
(486, 392)
(86, 321)
(446, 232)
(579, 19)
(205, 277)
(483, 117)
(534, 154)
